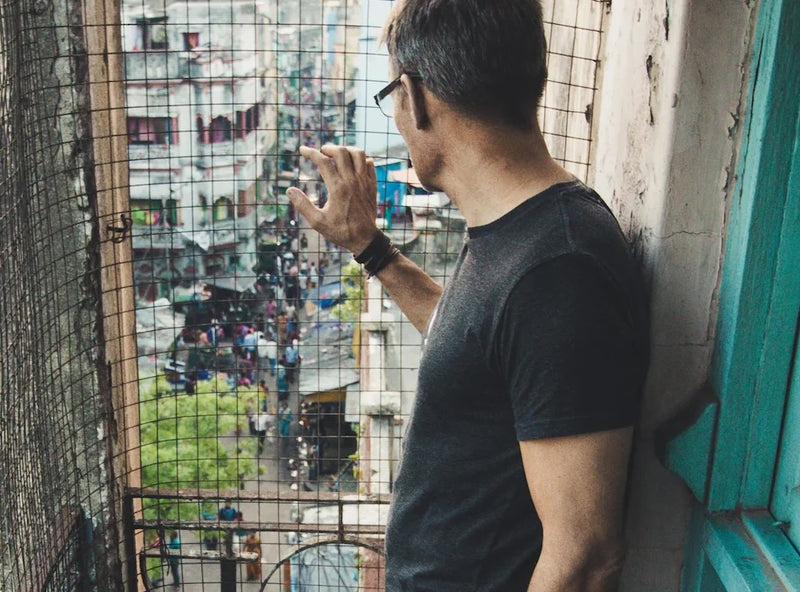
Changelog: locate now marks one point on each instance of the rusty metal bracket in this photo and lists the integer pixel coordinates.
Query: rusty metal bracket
(118, 234)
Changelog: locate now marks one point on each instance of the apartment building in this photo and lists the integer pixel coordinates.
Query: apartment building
(201, 125)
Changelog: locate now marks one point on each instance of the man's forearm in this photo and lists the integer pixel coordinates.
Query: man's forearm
(413, 290)
(600, 573)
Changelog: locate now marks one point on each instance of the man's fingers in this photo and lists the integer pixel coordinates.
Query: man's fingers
(359, 160)
(341, 156)
(373, 177)
(304, 206)
(323, 163)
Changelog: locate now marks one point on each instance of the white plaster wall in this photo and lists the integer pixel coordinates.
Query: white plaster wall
(665, 139)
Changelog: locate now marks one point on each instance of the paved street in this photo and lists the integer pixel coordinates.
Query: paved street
(273, 474)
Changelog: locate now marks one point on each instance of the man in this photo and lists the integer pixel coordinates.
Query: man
(284, 419)
(174, 559)
(227, 512)
(514, 469)
(250, 340)
(261, 422)
(292, 361)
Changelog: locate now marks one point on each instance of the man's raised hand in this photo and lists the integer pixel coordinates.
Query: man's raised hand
(348, 217)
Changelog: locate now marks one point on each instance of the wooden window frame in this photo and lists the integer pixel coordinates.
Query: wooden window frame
(728, 457)
(102, 28)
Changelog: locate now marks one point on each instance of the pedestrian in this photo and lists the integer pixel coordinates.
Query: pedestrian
(252, 544)
(270, 327)
(154, 568)
(272, 355)
(281, 382)
(313, 277)
(227, 512)
(284, 419)
(261, 421)
(250, 340)
(174, 559)
(263, 394)
(271, 308)
(280, 324)
(514, 465)
(302, 283)
(291, 361)
(251, 421)
(291, 324)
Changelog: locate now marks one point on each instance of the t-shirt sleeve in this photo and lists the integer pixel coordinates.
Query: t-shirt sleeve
(568, 351)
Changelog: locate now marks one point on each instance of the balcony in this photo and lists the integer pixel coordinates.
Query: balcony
(151, 151)
(143, 66)
(240, 148)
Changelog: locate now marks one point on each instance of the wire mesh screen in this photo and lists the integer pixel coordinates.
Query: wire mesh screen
(274, 381)
(57, 516)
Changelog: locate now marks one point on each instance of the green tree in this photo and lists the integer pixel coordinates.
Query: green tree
(353, 283)
(189, 441)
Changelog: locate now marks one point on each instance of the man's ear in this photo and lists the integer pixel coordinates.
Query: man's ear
(418, 100)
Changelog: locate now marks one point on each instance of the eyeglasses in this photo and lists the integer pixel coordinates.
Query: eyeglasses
(384, 98)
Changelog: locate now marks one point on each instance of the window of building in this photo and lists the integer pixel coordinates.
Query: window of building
(152, 130)
(223, 209)
(190, 41)
(220, 130)
(171, 212)
(146, 212)
(153, 34)
(247, 121)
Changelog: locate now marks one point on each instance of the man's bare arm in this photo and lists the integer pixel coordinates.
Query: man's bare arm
(348, 220)
(414, 291)
(577, 484)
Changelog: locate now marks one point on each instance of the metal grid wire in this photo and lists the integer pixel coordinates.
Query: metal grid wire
(257, 470)
(55, 516)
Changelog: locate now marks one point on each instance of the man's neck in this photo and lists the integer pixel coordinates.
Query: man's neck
(489, 172)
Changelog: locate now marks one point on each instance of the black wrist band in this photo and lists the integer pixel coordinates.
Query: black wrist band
(380, 244)
(374, 268)
(377, 254)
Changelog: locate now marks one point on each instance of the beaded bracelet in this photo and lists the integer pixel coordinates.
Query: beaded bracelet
(378, 254)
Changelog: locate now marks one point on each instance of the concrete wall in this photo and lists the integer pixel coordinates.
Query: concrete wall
(667, 136)
(56, 441)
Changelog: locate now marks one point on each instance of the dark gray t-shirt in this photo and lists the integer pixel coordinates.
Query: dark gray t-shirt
(541, 332)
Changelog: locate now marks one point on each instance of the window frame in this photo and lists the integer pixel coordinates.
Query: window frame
(163, 130)
(732, 533)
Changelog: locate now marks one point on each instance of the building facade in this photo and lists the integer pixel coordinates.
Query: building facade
(202, 126)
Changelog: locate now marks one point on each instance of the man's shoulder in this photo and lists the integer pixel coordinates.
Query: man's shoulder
(566, 218)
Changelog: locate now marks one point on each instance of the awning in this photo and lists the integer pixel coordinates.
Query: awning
(334, 396)
(320, 380)
(430, 201)
(201, 238)
(408, 176)
(236, 283)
